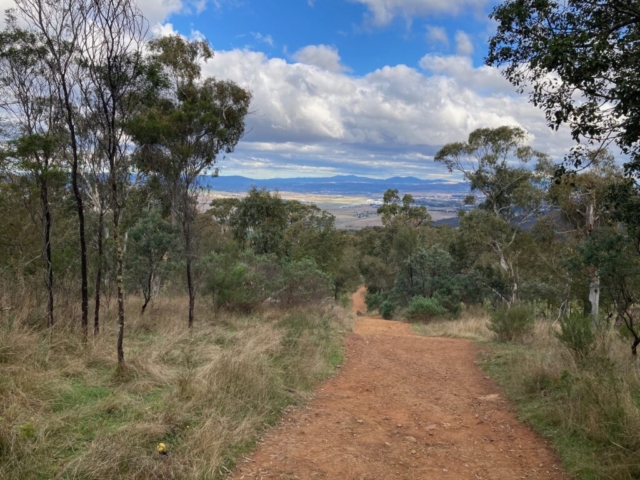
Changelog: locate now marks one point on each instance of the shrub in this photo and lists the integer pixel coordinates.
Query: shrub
(425, 309)
(374, 301)
(512, 324)
(577, 333)
(240, 283)
(451, 303)
(302, 283)
(386, 309)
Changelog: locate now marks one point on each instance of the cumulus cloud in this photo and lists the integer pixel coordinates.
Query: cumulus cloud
(437, 36)
(326, 117)
(464, 45)
(382, 12)
(156, 11)
(325, 57)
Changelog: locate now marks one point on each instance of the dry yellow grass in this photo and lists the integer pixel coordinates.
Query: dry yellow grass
(471, 324)
(65, 413)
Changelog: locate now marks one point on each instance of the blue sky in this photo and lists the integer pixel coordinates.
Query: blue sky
(365, 87)
(280, 28)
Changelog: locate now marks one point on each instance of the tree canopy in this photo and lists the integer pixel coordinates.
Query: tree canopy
(579, 62)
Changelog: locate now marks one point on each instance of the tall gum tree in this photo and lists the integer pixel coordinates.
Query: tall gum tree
(511, 177)
(187, 124)
(59, 24)
(581, 199)
(112, 41)
(27, 100)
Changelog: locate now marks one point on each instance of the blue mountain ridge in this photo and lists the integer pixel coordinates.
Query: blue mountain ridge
(337, 185)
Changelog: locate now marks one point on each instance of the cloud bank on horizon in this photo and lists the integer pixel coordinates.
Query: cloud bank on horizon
(366, 87)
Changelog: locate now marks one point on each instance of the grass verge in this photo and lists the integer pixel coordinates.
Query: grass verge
(66, 413)
(588, 407)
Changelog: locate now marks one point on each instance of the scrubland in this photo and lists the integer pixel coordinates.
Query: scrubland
(69, 411)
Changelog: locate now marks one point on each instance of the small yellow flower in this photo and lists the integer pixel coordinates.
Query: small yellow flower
(162, 449)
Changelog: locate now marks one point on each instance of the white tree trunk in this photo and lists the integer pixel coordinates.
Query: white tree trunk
(594, 298)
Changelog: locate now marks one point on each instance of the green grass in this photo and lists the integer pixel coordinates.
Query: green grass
(585, 410)
(65, 413)
(586, 406)
(536, 400)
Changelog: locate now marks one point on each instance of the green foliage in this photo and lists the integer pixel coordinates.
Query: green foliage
(393, 208)
(425, 309)
(512, 324)
(374, 300)
(302, 283)
(239, 282)
(244, 281)
(387, 309)
(486, 161)
(259, 221)
(151, 252)
(577, 333)
(537, 40)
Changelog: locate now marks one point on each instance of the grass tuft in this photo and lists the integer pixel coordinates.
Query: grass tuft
(69, 411)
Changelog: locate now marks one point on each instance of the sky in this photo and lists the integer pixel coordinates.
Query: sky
(364, 87)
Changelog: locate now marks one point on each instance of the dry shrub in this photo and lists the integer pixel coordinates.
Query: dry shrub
(207, 394)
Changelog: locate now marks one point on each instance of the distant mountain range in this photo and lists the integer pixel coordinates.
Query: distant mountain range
(338, 185)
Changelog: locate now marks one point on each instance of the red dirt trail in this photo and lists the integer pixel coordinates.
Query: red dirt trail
(402, 407)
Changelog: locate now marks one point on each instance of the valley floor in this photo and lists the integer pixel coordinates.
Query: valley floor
(403, 407)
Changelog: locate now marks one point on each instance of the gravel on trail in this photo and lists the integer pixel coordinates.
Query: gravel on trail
(403, 406)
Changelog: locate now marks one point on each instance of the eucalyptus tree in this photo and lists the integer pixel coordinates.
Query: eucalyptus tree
(187, 124)
(393, 207)
(511, 178)
(33, 130)
(582, 202)
(152, 244)
(112, 57)
(579, 61)
(59, 26)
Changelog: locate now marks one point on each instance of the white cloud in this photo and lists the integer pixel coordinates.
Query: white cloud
(156, 11)
(437, 36)
(464, 45)
(268, 39)
(482, 79)
(325, 57)
(306, 112)
(384, 11)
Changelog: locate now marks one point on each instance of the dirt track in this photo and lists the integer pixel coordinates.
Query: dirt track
(403, 407)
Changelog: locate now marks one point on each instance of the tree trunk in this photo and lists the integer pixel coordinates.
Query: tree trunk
(44, 196)
(119, 281)
(594, 284)
(186, 230)
(77, 193)
(634, 347)
(83, 257)
(508, 269)
(192, 292)
(147, 294)
(96, 313)
(594, 298)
